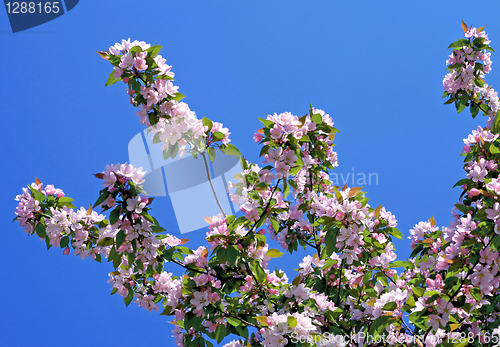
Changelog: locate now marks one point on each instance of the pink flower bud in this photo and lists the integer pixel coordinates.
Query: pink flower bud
(340, 215)
(473, 192)
(257, 137)
(126, 79)
(66, 251)
(466, 149)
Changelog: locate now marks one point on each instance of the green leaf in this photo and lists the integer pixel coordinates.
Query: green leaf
(474, 110)
(459, 44)
(167, 311)
(157, 229)
(264, 150)
(37, 195)
(114, 216)
(286, 188)
(149, 218)
(275, 224)
(129, 297)
(258, 272)
(316, 118)
(305, 138)
(476, 293)
(274, 253)
(418, 291)
(462, 208)
(462, 103)
(379, 324)
(220, 333)
(178, 97)
(462, 182)
(111, 79)
(120, 238)
(478, 41)
(267, 123)
(211, 153)
(64, 242)
(330, 241)
(484, 108)
(460, 302)
(410, 302)
(395, 232)
(217, 136)
(107, 241)
(65, 201)
(432, 298)
(135, 49)
(493, 149)
(496, 124)
(113, 254)
(230, 149)
(136, 85)
(156, 138)
(400, 263)
(450, 281)
(418, 248)
(154, 50)
(292, 322)
(390, 306)
(116, 262)
(174, 149)
(40, 230)
(231, 253)
(207, 122)
(102, 197)
(233, 321)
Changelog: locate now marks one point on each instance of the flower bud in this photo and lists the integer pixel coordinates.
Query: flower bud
(473, 192)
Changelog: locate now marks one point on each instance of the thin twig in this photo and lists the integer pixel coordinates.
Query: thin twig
(211, 185)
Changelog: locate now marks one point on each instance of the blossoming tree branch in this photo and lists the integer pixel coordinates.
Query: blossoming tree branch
(347, 292)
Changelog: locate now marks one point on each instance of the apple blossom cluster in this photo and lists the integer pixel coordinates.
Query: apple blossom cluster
(127, 239)
(150, 87)
(468, 64)
(348, 285)
(454, 271)
(341, 215)
(335, 222)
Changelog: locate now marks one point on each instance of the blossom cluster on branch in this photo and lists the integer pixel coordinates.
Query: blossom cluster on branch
(347, 292)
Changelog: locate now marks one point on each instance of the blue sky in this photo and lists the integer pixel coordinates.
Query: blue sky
(375, 67)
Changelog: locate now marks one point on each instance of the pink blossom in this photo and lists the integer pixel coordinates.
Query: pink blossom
(173, 241)
(199, 301)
